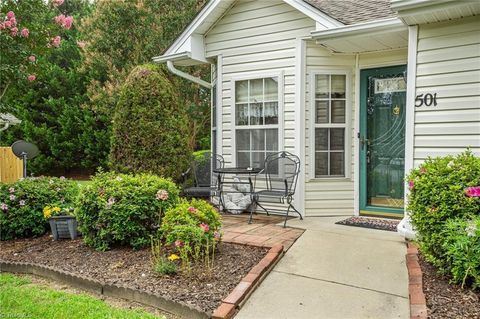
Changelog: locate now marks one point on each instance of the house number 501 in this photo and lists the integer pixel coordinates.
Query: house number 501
(428, 99)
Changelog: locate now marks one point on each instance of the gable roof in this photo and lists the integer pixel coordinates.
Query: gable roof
(354, 11)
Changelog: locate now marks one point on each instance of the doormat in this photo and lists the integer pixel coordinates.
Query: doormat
(374, 223)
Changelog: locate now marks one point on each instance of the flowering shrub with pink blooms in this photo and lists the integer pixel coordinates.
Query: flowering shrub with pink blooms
(22, 204)
(123, 209)
(442, 190)
(193, 228)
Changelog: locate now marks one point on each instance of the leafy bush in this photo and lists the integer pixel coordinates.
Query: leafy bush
(123, 209)
(440, 192)
(22, 204)
(462, 250)
(193, 228)
(150, 126)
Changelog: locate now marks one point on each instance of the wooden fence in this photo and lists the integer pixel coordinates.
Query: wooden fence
(11, 167)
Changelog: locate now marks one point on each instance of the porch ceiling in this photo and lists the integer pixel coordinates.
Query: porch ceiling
(379, 35)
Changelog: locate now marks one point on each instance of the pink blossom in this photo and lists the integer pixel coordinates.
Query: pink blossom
(67, 23)
(21, 203)
(205, 227)
(2, 26)
(13, 197)
(7, 24)
(24, 33)
(62, 177)
(10, 14)
(423, 170)
(473, 191)
(179, 243)
(162, 195)
(13, 20)
(110, 203)
(13, 31)
(32, 58)
(216, 235)
(11, 190)
(81, 44)
(31, 77)
(4, 206)
(411, 184)
(60, 19)
(57, 3)
(192, 210)
(56, 41)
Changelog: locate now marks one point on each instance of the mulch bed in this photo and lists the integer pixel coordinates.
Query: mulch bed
(122, 266)
(373, 223)
(445, 300)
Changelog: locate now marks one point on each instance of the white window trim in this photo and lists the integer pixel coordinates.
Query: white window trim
(347, 125)
(252, 76)
(213, 115)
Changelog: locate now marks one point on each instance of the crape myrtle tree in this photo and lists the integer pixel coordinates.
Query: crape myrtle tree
(41, 85)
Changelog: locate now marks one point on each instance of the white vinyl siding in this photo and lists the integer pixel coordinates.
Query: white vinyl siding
(448, 63)
(257, 38)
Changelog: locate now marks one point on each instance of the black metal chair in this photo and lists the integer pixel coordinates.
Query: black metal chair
(204, 179)
(281, 175)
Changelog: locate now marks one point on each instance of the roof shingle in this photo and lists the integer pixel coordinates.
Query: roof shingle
(354, 11)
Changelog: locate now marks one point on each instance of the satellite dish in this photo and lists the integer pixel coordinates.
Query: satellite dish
(24, 150)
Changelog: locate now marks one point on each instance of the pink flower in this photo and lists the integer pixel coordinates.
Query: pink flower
(81, 44)
(21, 203)
(31, 77)
(56, 41)
(10, 14)
(13, 20)
(13, 197)
(32, 58)
(411, 184)
(2, 26)
(216, 235)
(57, 3)
(62, 177)
(192, 210)
(4, 206)
(67, 23)
(162, 195)
(7, 24)
(24, 33)
(423, 170)
(11, 190)
(60, 19)
(13, 31)
(473, 191)
(205, 227)
(110, 203)
(179, 243)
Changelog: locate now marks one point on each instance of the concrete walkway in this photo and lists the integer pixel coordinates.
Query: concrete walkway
(335, 271)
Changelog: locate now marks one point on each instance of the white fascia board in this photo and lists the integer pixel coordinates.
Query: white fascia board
(371, 27)
(319, 17)
(401, 5)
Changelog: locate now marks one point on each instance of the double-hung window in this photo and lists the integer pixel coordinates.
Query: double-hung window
(330, 124)
(256, 120)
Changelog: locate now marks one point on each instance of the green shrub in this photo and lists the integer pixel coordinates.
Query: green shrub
(194, 228)
(123, 209)
(150, 126)
(438, 194)
(22, 204)
(462, 250)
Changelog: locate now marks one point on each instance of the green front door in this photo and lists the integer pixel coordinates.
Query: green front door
(382, 141)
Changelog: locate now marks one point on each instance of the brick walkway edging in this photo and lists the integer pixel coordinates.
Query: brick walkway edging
(248, 284)
(418, 303)
(226, 309)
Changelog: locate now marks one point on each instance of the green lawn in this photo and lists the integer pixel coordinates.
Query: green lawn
(21, 299)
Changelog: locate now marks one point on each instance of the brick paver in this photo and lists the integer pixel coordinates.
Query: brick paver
(263, 231)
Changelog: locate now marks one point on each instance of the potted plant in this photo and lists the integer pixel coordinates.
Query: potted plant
(62, 222)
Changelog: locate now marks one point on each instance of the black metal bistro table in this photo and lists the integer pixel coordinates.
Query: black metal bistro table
(239, 172)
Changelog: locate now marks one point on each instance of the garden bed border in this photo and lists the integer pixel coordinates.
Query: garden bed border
(226, 309)
(418, 303)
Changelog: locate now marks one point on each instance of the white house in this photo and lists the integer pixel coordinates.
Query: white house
(361, 91)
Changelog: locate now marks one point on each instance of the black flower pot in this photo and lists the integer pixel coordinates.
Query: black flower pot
(63, 227)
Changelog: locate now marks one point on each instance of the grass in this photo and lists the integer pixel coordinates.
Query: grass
(19, 298)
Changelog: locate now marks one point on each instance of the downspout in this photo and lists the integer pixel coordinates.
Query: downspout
(187, 76)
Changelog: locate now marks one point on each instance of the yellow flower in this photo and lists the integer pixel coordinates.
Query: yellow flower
(173, 257)
(46, 209)
(47, 213)
(56, 209)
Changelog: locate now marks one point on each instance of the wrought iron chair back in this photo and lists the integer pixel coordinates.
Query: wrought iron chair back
(203, 169)
(281, 172)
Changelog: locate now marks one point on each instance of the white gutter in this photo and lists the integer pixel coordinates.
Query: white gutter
(187, 76)
(371, 27)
